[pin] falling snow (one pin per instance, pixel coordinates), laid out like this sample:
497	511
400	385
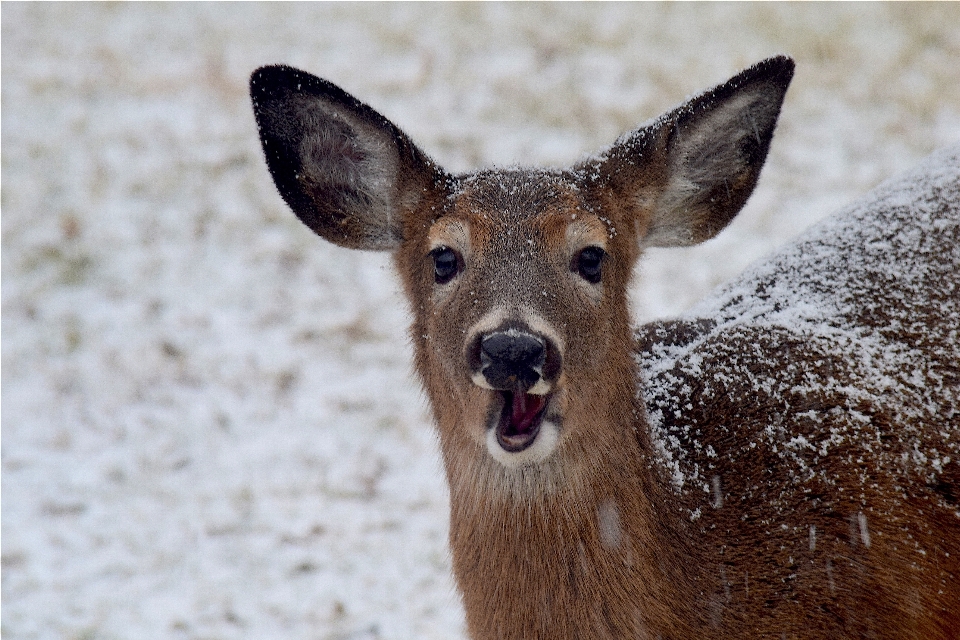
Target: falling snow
210	428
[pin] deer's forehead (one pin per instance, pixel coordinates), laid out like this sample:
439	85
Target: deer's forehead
521	210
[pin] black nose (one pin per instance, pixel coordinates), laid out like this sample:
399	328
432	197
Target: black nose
512	359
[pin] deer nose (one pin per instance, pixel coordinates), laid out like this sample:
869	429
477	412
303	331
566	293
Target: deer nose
512	359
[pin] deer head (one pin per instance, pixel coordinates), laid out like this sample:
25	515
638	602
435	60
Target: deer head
518	278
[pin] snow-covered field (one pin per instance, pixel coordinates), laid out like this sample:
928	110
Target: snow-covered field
209	424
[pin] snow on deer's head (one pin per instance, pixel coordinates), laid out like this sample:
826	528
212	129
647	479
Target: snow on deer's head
518	278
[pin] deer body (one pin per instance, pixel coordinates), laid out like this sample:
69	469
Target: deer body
774	464
813	406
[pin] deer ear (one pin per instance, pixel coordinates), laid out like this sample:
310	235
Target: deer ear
689	173
345	170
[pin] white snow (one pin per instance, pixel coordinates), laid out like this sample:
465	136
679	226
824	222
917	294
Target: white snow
209	425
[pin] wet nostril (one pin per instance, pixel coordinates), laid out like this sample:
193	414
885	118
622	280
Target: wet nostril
513	348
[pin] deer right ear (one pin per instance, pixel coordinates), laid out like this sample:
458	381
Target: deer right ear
345	170
685	176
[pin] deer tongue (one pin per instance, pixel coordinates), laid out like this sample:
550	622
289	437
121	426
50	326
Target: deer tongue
524	411
520	421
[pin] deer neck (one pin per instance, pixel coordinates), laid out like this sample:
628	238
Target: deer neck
563	549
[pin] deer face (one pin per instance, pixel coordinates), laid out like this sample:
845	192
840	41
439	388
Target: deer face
517	279
509	277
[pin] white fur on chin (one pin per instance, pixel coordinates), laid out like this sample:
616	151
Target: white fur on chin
543	446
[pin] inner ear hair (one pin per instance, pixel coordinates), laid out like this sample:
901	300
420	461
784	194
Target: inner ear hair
349	166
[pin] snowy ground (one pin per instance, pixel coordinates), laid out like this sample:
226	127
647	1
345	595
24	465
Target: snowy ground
209	425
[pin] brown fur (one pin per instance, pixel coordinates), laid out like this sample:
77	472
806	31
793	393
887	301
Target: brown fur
591	537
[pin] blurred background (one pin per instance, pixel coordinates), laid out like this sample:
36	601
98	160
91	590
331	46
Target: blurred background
209	424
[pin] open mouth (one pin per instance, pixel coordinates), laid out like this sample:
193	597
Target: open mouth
520	419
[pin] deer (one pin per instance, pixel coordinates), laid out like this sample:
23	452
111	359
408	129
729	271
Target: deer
781	461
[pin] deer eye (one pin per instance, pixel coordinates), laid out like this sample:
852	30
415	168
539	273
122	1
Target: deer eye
446	264
589	264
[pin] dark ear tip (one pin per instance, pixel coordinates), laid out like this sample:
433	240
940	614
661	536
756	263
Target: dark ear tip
278	82
777	68
779	61
277	79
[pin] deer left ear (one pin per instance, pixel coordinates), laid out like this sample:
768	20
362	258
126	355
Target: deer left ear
684	177
345	170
